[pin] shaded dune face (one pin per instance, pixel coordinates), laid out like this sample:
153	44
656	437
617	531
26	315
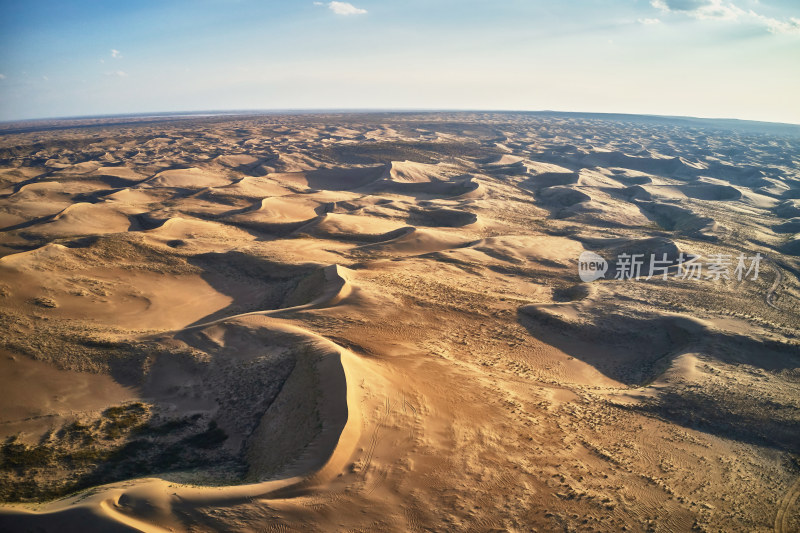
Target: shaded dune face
375	322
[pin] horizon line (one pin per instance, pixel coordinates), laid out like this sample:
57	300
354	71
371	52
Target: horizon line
199	113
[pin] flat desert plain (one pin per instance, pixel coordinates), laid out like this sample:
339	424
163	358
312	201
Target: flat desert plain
375	322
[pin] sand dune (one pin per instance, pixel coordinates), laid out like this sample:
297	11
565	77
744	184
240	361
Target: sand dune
792	247
664	166
414	241
94	284
238	161
562	196
348	227
552	179
85	219
193	178
118	176
788	209
133	196
674	218
411	172
185	230
711	191
278	211
252	187
472	190
442	217
335	179
790	226
374	322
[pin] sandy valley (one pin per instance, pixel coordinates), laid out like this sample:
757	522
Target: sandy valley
374	322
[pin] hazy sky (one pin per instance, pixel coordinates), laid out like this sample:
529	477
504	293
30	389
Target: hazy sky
710	58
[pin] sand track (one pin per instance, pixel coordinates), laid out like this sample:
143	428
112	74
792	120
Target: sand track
788	505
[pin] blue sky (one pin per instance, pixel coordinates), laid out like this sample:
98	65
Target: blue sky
712	58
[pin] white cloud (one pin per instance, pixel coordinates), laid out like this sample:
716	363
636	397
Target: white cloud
115	54
700	9
648	22
117	73
727	11
679	5
345	8
777	26
2	76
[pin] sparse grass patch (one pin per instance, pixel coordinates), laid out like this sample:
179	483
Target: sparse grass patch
123	442
121	419
45	301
